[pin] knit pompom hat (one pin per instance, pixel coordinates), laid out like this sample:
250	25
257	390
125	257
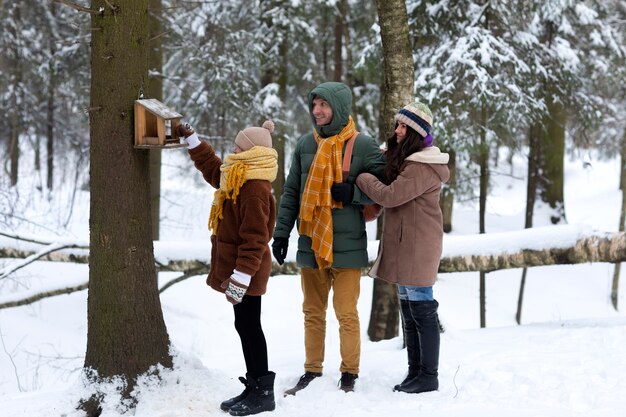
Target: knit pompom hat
255	136
418	116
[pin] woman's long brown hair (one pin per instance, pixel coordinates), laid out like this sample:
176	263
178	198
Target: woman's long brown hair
396	154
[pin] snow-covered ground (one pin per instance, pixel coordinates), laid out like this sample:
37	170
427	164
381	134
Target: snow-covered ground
566	359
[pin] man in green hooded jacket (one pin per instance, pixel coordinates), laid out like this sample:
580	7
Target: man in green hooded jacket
332	247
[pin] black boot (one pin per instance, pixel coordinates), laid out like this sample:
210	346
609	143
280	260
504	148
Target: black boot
412	341
259	399
226	405
424	314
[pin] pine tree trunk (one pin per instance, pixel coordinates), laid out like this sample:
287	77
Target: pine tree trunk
155	90
276	71
397	59
398	91
534	141
340	20
446	199
384	319
622	221
14	120
482	198
126	333
552	160
50	108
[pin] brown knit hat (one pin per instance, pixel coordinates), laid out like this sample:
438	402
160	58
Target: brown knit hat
255	136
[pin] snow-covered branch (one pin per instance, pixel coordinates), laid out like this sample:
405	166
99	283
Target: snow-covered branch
42	295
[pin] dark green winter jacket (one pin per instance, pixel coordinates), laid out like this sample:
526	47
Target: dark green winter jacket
349	238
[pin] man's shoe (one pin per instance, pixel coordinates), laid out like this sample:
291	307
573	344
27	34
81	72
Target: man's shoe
303	382
346	383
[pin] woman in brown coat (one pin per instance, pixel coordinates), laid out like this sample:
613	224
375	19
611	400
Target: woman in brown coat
411	244
242	220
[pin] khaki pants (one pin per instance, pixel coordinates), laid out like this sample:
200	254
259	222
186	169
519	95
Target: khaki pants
316	285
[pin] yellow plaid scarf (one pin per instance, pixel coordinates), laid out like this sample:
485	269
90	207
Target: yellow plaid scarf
316	219
257	163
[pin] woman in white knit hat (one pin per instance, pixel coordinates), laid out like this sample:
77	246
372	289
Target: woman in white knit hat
411	243
242	221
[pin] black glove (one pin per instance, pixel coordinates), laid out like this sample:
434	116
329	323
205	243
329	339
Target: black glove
343	192
279	249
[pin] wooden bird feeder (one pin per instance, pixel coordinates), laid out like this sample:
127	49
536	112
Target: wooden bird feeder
155	125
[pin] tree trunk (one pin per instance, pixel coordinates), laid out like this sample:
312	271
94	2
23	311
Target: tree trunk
552	159
279	137
126	333
340	21
14	120
482	198
50	108
397	59
622	220
398	91
384	320
534	141
275	70
446	199
155	90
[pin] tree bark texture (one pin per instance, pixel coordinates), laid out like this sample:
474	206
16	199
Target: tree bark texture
275	70
622	221
384	322
552	161
155	90
397	91
126	332
51	107
482	198
340	22
15	127
446	199
534	140
397	60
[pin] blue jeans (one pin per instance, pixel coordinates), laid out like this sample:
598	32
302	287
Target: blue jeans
411	293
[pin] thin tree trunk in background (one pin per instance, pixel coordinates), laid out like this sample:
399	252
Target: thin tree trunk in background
37	152
446	199
622	220
126	333
398	91
534	151
14	121
50	107
552	160
484	186
155	90
279	137
550	184
275	70
340	21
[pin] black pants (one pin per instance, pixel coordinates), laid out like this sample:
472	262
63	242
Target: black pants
248	325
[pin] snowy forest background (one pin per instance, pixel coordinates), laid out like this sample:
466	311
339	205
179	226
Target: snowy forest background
518	89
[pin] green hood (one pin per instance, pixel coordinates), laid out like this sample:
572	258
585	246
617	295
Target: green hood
339	97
